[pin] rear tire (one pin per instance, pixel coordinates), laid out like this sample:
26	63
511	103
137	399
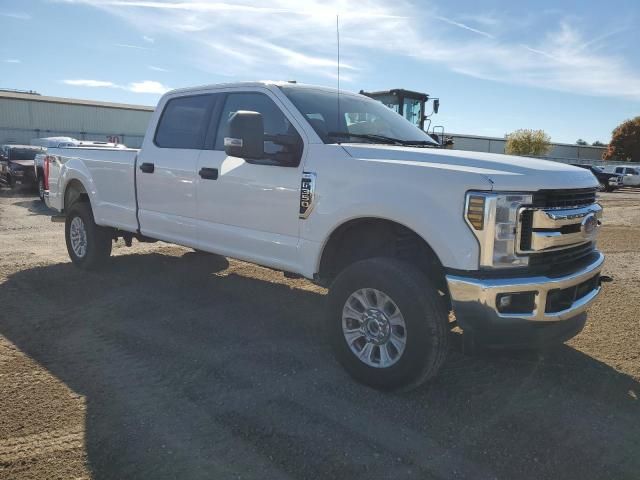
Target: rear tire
41	188
388	324
88	244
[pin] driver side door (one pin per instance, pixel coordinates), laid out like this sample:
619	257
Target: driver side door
249	209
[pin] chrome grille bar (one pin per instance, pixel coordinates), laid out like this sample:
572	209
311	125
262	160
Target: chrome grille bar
556	229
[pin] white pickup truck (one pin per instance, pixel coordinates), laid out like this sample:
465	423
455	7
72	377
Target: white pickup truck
341	190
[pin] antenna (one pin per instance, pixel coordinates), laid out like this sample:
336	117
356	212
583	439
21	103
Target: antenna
338	42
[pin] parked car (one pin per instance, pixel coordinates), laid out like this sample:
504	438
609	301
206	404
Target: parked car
59	142
631	175
608	181
16	165
401	232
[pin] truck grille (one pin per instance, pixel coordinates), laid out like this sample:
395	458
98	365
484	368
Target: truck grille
551	229
564	198
562	257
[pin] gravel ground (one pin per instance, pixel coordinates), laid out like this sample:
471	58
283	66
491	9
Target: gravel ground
172	364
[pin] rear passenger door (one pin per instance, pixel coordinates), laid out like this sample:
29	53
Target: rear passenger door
166	169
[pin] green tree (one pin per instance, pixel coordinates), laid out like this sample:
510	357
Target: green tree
581	142
598	143
625	142
528	142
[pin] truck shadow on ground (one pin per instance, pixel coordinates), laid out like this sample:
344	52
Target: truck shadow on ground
193	370
35	207
31	202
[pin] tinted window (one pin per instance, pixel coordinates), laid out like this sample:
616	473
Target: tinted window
184	122
619	170
275	122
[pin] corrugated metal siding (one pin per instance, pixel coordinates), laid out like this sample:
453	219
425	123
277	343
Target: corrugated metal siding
22	120
497	145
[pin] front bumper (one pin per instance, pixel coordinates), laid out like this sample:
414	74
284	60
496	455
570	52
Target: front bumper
555	300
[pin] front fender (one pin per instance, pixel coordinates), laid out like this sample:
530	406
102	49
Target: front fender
429	201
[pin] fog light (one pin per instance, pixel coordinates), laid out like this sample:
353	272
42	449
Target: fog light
504	301
517	302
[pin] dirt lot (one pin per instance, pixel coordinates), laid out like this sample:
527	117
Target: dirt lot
172	364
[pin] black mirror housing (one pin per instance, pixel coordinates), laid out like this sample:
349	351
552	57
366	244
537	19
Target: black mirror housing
436	105
245	138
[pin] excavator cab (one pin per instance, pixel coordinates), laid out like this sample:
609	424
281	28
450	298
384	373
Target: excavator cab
412	106
409	104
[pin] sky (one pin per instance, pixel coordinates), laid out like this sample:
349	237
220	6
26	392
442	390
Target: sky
571	68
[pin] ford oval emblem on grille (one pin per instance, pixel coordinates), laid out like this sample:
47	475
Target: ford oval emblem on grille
589	225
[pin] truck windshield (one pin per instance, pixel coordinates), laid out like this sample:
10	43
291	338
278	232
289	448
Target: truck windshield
23	153
357	119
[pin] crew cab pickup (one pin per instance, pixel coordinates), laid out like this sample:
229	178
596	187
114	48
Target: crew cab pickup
337	188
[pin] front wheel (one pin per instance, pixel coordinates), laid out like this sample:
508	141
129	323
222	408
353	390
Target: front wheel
388	324
88	244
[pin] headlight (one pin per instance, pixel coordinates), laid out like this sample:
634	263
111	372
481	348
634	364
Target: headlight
493	218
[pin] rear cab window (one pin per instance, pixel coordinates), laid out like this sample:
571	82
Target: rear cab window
184	121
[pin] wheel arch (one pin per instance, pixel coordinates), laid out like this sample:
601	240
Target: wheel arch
368	237
74	190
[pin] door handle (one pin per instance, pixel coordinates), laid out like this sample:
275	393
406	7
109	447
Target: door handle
209	173
147	167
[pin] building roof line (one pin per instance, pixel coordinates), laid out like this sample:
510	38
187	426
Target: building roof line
73	101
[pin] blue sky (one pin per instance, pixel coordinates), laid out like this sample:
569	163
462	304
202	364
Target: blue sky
571	68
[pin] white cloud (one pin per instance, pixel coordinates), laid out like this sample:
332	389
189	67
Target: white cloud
289	39
127	45
157	69
148	86
90	83
16	15
464	27
145	86
13	60
148	39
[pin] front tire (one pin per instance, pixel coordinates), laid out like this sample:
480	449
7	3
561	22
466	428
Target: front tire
88	244
388	324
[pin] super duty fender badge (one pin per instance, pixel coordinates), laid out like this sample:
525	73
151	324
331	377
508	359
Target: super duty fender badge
307	193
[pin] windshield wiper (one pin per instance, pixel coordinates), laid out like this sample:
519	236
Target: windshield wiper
382	139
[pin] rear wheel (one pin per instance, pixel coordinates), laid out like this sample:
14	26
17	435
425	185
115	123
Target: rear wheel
88	244
388	324
41	188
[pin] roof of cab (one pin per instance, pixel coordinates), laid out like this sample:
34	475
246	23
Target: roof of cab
262	83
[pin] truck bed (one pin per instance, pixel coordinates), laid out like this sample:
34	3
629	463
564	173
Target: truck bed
111	192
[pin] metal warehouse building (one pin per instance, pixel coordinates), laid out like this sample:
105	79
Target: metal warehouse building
562	152
24	116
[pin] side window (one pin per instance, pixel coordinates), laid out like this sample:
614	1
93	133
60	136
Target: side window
275	122
184	122
619	170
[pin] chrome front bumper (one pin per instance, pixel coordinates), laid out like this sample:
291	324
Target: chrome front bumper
475	299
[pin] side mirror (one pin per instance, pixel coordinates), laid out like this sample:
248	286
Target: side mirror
436	105
245	137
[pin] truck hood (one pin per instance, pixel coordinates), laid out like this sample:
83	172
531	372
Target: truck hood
505	172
